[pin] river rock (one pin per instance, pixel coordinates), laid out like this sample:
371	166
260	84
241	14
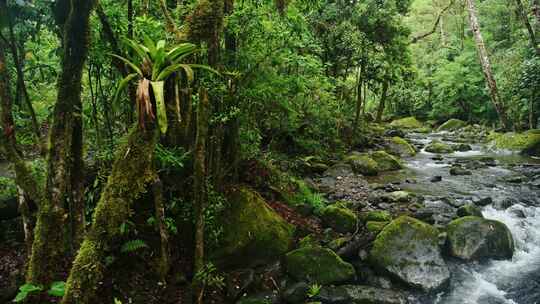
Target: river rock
394	133
439	147
484	201
475	238
451	125
253	233
400	147
406	123
505	203
362	164
436	179
458	170
527	142
296	293
376	216
318	265
357	294
469	210
385	161
462	147
408	250
340	219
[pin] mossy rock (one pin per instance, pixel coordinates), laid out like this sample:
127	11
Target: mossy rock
340	219
469	210
362	164
401	147
376	216
476	238
526	142
335	244
253	233
318	265
375	227
406	123
439	147
452	125
385	161
358	294
408	250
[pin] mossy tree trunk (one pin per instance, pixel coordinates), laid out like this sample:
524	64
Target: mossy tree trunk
382	102
131	175
200	195
65	164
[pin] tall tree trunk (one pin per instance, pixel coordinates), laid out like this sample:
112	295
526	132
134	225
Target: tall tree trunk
64	168
382	103
359	83
486	65
199	188
131	174
164	262
528	26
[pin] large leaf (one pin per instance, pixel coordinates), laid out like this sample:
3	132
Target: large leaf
130	64
181	50
57	289
123	84
159	94
174	68
141	50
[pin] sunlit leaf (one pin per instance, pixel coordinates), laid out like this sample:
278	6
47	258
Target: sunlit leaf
159	94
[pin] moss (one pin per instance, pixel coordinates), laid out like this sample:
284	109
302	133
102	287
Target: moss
439	147
406	123
335	244
377	216
469	210
452	125
308	241
340	219
318	265
527	142
8	188
253	233
375	227
131	173
362	164
385	161
402	147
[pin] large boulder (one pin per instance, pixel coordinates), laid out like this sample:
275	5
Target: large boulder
318	265
439	147
406	123
401	147
526	142
452	125
408	250
253	233
385	161
362	164
356	294
340	219
475	238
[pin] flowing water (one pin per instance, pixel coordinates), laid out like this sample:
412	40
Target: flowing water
515	281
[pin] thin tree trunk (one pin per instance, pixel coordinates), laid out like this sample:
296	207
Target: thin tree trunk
64	172
382	103
486	65
359	82
164	263
199	188
528	26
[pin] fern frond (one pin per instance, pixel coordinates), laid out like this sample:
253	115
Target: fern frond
133	245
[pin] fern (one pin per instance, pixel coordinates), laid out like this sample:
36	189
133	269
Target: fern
133	245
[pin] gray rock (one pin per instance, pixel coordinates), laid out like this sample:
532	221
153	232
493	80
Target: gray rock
469	210
436	179
296	293
458	170
356	294
483	201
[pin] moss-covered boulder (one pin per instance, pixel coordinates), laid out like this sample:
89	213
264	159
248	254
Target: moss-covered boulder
252	232
526	142
362	164
469	210
408	250
452	125
376	216
318	265
401	147
439	147
385	161
406	123
375	227
340	219
358	294
476	238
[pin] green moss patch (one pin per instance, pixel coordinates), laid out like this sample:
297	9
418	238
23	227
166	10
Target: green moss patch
406	123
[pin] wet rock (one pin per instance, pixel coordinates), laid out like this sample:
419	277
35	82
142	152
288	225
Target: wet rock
408	250
451	125
362	164
484	201
394	132
318	265
296	293
469	210
399	197
385	161
462	147
399	146
516	179
438	147
437	157
436	212
505	203
517	210
340	219
476	238
357	294
436	179
458	170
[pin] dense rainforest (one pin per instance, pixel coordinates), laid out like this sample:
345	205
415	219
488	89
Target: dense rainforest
265	152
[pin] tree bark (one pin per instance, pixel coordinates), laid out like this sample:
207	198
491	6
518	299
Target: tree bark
131	173
65	163
164	263
528	26
359	83
486	65
382	103
199	188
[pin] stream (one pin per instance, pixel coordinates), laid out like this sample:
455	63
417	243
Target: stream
507	177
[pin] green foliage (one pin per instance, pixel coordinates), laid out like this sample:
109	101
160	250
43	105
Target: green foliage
314	290
57	289
209	276
8	188
171	159
132	246
25	290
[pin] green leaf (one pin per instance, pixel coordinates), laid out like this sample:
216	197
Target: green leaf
130	64
181	50
123	83
174	68
158	87
30	288
57	289
141	50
